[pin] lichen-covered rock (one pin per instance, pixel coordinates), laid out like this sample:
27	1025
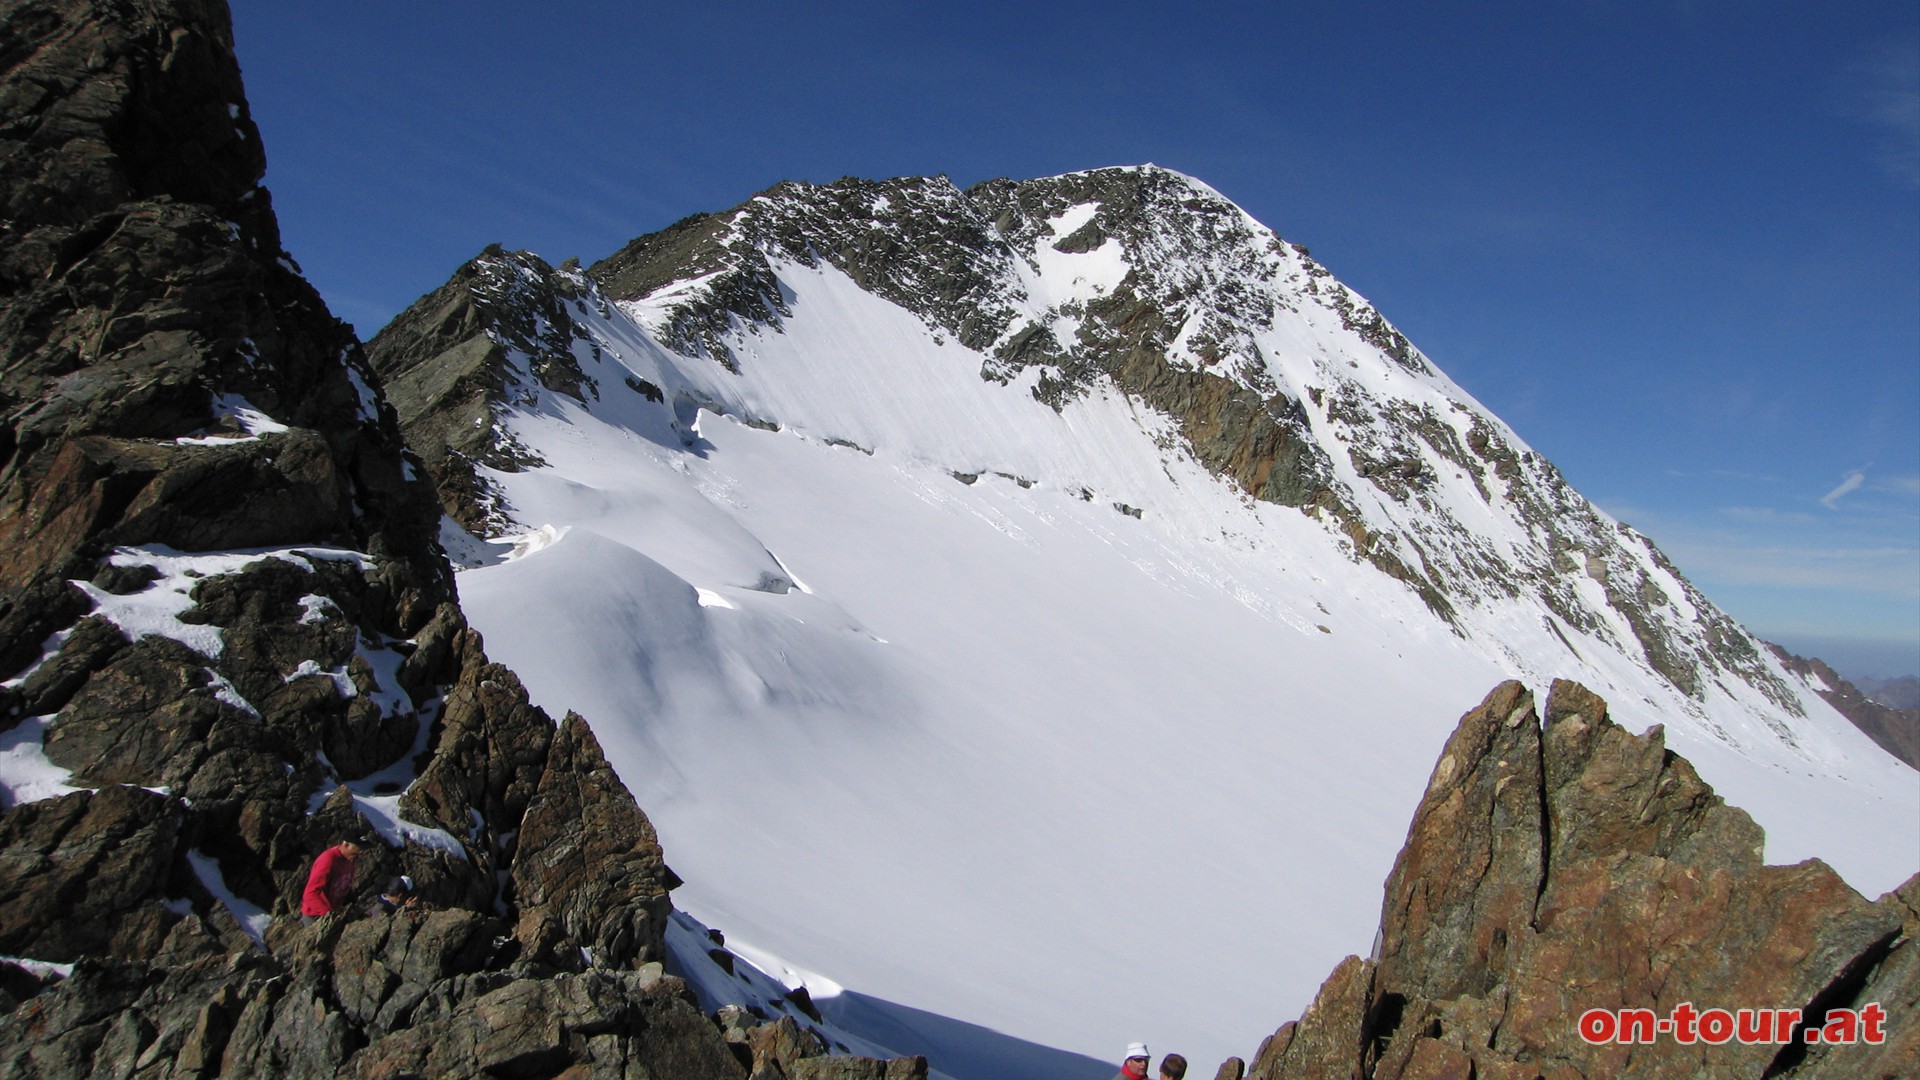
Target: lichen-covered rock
784	1050
1555	869
386	965
588	858
592	1024
1889	980
858	1068
1327	1041
86	874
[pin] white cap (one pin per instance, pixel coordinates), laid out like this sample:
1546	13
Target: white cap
1135	1050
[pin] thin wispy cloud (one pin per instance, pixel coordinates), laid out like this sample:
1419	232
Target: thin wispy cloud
1859	571
1725	474
1901	485
1886	84
1764	515
1831	500
1783	551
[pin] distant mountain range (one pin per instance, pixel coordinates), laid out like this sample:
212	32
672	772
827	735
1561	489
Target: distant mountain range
1894	726
1900	693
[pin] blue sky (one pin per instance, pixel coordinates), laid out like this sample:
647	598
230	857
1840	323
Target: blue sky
1675	244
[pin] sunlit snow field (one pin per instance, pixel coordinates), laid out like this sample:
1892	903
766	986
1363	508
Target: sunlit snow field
998	751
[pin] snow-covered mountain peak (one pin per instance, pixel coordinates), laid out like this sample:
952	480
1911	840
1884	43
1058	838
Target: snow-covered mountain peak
1129	536
1262	367
1011	268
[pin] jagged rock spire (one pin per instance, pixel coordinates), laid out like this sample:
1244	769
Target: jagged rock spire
1561	865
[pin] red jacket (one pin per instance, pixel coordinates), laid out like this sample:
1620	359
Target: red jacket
330	885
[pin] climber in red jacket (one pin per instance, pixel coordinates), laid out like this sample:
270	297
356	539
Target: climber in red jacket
330	884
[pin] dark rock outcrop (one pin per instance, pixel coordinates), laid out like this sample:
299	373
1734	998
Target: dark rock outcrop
1895	730
783	1050
81	872
145	299
220	585
450	367
589	871
1564	865
404	994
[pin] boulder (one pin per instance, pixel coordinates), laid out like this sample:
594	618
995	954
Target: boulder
85	875
1562	867
588	858
591	1024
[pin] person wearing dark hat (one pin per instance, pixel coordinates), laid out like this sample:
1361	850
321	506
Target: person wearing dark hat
1137	1063
330	882
396	896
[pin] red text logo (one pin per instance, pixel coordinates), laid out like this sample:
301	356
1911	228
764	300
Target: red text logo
1687	1025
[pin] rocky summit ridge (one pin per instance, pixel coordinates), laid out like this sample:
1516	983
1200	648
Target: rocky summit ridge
230	638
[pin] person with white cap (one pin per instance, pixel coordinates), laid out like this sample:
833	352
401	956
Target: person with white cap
1137	1062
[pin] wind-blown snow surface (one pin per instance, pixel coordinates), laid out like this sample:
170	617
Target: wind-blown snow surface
997	750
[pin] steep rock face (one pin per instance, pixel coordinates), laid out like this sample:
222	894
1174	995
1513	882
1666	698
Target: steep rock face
1897	730
584	847
153	327
172	386
459	356
233	640
1560	865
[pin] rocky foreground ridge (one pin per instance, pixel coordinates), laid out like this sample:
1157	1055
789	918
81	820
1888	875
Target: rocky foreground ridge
1562	864
225	616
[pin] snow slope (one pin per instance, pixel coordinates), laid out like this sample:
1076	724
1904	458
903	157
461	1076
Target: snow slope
1022	718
